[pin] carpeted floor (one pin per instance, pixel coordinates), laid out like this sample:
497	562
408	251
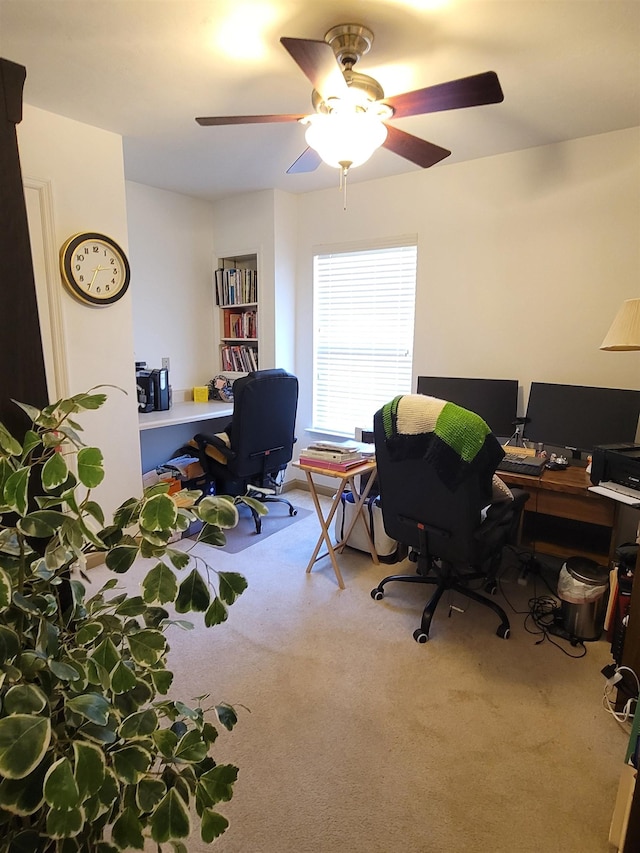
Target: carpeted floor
352	738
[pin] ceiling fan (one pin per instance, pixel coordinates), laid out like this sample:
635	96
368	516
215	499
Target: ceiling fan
351	112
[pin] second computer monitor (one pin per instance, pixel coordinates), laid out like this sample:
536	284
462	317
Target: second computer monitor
495	400
580	417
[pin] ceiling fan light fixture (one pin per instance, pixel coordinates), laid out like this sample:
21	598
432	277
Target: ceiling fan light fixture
345	137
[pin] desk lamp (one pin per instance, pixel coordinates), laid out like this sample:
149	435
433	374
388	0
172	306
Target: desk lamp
624	333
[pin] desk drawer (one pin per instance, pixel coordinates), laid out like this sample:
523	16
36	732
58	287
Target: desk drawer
578	507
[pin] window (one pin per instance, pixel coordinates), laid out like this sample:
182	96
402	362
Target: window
364	305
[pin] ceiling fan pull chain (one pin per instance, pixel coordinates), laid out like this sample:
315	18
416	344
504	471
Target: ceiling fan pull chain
344	171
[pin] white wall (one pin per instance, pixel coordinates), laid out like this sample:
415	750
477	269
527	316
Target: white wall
84	168
171	240
524	259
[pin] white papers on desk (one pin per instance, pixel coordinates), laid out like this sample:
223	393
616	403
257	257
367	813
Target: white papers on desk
617	493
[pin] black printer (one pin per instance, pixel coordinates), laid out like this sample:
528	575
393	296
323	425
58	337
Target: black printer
616	463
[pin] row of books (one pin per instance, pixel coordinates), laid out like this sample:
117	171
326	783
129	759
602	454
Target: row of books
239	358
335	456
236	286
240	324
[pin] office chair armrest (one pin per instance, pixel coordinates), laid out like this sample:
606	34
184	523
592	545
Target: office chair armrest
504	514
214	446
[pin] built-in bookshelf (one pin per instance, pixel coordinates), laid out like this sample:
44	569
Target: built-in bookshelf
236	285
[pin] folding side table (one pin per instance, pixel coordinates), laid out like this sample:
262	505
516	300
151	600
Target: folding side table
347	480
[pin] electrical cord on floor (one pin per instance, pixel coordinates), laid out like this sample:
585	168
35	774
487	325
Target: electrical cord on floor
627	714
542	616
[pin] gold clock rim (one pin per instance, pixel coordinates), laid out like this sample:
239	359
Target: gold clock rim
69	282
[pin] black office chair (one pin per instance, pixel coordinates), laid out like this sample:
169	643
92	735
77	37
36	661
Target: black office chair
249	459
433	501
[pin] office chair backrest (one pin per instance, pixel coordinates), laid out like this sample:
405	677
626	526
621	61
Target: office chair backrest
422	511
264	416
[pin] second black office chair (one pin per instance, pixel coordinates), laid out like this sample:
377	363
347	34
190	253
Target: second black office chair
433	502
250	457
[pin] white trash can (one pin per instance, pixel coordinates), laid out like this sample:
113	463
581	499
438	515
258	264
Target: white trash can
582	585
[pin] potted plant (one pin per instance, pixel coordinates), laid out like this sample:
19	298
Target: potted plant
94	754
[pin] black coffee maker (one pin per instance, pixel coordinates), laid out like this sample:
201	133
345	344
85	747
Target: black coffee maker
145	388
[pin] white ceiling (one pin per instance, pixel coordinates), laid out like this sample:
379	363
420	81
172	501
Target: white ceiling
146	68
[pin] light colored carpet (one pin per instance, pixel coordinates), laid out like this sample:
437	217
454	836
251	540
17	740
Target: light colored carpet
359	740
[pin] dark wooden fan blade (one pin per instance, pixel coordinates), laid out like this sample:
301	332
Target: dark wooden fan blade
308	161
467	92
419	151
318	62
206	121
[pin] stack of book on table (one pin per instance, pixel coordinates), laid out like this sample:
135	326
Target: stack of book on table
334	456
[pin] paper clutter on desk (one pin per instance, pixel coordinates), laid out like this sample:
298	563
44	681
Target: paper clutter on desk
200	394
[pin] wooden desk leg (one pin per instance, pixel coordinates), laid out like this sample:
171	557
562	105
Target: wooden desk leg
324	524
359	514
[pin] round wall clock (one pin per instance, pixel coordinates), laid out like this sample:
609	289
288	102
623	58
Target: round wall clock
94	268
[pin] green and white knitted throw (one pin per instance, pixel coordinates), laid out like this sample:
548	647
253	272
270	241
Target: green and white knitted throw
456	440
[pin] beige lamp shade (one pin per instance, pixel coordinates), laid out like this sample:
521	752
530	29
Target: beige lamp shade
624	333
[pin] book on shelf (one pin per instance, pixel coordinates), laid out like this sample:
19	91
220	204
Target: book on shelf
236	286
330	465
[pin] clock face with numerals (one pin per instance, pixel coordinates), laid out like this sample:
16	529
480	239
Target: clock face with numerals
94	268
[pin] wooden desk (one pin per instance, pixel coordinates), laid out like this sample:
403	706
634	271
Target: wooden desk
563	518
347	481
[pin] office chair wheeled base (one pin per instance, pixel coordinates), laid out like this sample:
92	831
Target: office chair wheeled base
421	634
263	497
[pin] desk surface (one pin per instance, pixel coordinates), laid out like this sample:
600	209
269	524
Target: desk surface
573	480
183	413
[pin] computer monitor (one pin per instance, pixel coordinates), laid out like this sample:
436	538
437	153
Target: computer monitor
495	400
580	417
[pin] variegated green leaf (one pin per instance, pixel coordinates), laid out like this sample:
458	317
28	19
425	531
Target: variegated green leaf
64	823
5	590
25	698
218	510
54	472
255	504
89	767
121	558
131	763
92	706
160	585
41	523
123	678
149	793
231	585
127	831
24	739
218	782
193	594
211	534
60	788
191	747
147	646
170	819
158	513
216	614
8	444
139	724
90	467
15	490
212	825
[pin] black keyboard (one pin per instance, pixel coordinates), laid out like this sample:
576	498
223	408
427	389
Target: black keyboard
521	464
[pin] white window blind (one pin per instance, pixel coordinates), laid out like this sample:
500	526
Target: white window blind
364	306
